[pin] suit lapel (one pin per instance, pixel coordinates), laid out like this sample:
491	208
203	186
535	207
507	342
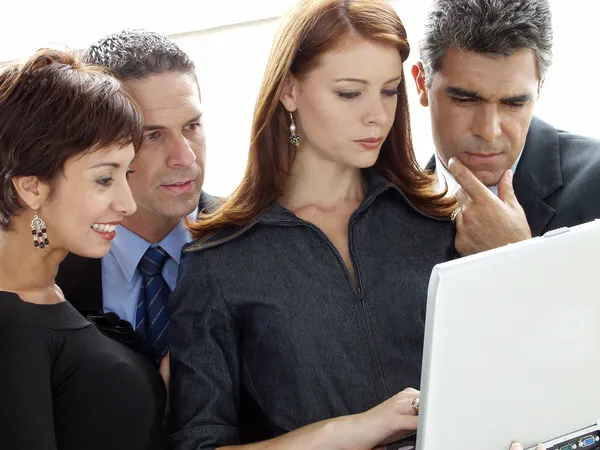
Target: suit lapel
431	164
207	203
538	175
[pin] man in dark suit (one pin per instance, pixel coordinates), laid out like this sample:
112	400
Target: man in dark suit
135	278
483	63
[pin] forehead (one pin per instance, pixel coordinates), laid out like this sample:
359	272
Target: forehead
490	76
165	96
117	154
362	59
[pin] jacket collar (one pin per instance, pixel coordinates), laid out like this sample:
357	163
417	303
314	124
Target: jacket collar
539	174
376	185
275	214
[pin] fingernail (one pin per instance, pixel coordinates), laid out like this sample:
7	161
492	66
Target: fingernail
515	446
540	447
509	175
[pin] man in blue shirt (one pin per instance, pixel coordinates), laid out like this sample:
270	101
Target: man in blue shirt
135	278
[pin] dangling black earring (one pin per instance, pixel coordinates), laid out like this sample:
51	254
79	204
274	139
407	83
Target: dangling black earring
38	230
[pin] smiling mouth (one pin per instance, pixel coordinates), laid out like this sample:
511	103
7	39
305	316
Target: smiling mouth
104	228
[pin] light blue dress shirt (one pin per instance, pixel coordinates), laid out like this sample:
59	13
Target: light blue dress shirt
121	279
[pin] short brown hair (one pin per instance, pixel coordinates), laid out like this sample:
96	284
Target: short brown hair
53	108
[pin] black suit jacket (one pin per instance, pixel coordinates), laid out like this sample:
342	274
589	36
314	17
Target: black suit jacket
81	278
557	181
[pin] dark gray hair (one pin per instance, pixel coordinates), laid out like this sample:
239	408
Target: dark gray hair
496	27
137	54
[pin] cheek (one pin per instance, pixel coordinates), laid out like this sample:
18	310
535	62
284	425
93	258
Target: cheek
68	213
517	129
322	121
146	165
199	148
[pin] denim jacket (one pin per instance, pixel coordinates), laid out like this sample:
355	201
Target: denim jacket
269	310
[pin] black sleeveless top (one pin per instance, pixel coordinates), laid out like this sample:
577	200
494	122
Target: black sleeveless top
64	385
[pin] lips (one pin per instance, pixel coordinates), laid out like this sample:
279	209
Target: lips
178	183
370	143
482	158
182	187
370	140
483	154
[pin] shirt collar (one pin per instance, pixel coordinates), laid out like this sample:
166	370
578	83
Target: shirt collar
128	248
445	178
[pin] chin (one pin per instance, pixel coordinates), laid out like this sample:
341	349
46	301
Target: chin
180	209
366	161
89	250
488	178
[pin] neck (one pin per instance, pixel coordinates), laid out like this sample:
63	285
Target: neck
322	183
149	226
26	268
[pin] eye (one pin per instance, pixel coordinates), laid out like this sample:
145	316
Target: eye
153	136
129	172
105	182
391	92
348	95
462	100
194	126
515	105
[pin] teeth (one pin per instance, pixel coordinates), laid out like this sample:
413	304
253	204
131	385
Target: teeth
103	228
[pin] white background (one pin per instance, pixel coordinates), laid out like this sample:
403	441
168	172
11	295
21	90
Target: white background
230	42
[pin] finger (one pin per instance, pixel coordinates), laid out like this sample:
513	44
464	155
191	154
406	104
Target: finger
469	182
458	219
408	406
462	197
411	391
506	191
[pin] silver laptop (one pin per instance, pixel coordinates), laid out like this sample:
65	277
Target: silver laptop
512	344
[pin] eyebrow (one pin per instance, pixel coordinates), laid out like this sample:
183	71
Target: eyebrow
151	127
460	92
358	80
108	164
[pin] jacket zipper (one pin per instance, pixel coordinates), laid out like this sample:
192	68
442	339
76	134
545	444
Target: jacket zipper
377	368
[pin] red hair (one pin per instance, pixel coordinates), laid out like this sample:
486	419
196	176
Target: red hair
310	29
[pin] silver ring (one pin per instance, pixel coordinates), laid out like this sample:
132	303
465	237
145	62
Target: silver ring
415	405
454	214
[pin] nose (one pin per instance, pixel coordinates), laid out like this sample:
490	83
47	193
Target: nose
487	123
377	113
124	202
180	153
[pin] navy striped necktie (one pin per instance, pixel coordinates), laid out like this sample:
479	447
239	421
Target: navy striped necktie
152	315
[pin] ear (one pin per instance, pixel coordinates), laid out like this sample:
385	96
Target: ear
32	191
418	74
288	94
540	86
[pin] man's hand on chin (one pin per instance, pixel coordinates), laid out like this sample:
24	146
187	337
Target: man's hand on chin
485	221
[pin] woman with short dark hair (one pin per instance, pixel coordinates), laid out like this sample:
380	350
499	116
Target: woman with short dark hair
68	133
